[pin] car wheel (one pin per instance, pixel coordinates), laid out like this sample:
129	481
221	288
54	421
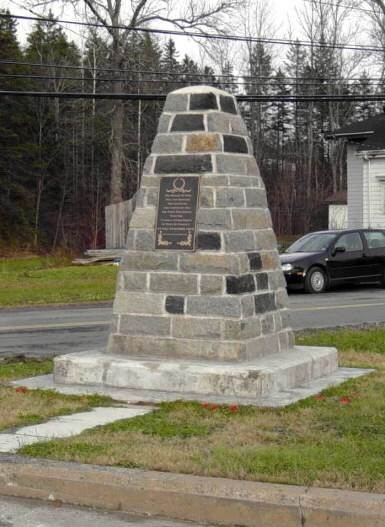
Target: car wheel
316	281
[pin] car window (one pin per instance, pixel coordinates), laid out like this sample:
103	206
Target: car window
311	243
351	241
375	240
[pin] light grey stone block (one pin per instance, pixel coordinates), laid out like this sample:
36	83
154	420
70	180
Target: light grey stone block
150	182
239	241
268	323
152	197
167	144
164	124
244	181
248	219
237	125
148	167
145	325
214	306
145	240
176	103
143	218
133	281
209	263
174	283
206	197
166	348
212	284
213	180
218	122
130	243
150	261
214	219
241	329
230	197
189	327
256	198
138	303
231	164
248	306
265	240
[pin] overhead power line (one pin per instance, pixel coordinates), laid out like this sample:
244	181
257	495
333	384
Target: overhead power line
162	97
273	82
215	36
251	78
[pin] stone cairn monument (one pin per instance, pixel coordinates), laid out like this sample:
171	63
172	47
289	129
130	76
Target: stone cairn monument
201	305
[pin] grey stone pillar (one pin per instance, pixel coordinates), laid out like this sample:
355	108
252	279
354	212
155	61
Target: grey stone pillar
210	323
227	300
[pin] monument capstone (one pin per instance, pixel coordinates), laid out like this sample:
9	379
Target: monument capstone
201	304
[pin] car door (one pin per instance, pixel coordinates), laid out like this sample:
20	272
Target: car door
350	264
375	252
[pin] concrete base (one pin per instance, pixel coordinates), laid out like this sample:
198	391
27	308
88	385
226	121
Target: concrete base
277	380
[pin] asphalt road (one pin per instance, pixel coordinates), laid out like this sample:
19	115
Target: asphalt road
16	512
56	330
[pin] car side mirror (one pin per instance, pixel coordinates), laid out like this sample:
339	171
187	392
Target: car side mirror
338	249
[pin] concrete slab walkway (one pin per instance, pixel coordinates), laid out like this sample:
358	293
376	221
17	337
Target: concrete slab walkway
66	426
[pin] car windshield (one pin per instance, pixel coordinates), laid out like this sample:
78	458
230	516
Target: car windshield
311	243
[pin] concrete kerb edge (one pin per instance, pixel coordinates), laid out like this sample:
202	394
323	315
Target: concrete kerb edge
209	500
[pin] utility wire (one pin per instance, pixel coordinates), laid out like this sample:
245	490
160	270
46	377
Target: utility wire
160	97
273	82
215	36
175	74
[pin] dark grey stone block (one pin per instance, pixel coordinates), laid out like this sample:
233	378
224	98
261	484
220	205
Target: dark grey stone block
175	305
189	122
203	101
228	104
264	302
262	280
183	164
237	285
234	143
255	261
209	241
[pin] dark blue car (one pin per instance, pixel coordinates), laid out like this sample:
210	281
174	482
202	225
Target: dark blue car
322	259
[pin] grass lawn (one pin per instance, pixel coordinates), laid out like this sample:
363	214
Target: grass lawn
19	406
49	280
336	439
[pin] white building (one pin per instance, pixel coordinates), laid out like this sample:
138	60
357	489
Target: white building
365	173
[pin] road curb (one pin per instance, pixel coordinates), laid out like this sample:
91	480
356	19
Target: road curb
217	501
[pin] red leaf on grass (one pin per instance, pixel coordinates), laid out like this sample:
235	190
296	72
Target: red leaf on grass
233	408
345	399
214	407
21	389
205	405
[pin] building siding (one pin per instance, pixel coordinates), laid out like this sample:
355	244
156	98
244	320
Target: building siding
374	192
355	186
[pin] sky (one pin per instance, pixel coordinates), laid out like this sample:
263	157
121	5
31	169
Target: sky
283	21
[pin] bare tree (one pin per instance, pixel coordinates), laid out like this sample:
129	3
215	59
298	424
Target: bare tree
112	15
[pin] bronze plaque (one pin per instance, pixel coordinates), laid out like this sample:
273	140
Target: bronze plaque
177	210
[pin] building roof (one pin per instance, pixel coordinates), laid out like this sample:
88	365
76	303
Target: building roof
338	198
370	133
